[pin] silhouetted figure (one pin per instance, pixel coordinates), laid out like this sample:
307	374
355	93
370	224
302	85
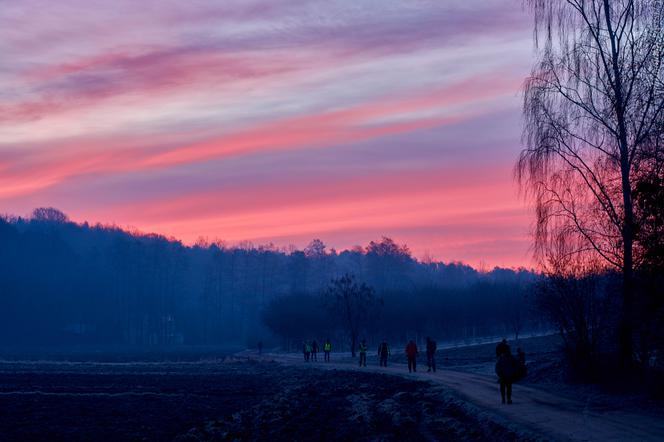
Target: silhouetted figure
363	353
383	353
506	369
431	354
521	359
327	348
260	347
411	354
314	351
306	349
503	348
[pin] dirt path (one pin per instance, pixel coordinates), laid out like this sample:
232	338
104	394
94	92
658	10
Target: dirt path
553	417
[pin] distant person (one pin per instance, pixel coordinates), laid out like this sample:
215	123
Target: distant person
383	353
314	351
506	369
503	348
306	349
411	354
521	359
327	348
431	355
363	353
260	347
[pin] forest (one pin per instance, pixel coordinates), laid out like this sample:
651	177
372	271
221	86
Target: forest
64	283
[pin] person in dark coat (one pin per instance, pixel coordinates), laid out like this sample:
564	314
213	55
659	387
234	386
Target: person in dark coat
314	351
502	348
431	355
411	354
383	353
507	370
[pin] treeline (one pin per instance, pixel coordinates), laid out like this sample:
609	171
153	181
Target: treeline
68	283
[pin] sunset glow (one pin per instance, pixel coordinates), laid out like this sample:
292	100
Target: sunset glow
271	120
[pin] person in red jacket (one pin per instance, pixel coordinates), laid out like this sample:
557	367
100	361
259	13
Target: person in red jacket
411	354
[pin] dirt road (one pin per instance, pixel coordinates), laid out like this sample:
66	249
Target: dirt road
551	416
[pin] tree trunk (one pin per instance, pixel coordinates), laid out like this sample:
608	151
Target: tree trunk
625	332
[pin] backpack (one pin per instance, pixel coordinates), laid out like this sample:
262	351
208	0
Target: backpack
507	368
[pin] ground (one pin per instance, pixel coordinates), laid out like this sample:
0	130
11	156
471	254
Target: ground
226	399
214	395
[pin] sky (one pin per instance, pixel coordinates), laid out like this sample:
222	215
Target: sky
272	121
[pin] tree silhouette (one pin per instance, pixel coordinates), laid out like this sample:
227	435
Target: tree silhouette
593	109
352	302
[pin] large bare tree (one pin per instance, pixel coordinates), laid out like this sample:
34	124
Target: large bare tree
593	108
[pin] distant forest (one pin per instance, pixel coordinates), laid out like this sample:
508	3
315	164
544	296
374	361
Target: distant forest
63	283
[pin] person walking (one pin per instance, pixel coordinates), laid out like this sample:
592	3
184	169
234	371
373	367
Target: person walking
506	369
363	353
431	355
383	353
327	348
306	349
411	354
314	351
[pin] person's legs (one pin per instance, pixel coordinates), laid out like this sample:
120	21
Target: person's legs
414	363
411	363
433	363
502	391
509	392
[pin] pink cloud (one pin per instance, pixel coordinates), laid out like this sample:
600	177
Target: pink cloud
325	129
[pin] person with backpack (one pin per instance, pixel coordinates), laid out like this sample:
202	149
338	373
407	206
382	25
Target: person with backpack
507	368
411	355
327	348
383	353
431	355
363	353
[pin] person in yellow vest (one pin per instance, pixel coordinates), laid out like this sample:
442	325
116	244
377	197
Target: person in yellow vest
327	348
363	353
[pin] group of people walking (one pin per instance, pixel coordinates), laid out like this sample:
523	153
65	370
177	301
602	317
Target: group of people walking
311	350
509	368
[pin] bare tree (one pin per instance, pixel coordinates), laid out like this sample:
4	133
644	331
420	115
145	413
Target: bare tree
353	302
593	108
49	214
